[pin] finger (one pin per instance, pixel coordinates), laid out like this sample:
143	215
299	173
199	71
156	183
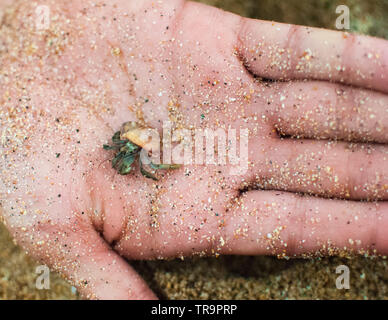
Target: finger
328	169
285	224
283	51
321	110
100	273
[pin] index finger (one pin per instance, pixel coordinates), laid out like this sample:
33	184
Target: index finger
286	52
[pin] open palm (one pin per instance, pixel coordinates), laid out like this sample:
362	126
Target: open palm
314	103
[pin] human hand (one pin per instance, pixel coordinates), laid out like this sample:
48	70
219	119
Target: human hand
317	176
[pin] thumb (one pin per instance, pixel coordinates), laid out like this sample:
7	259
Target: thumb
98	272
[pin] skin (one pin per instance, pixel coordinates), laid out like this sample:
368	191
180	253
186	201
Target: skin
317	181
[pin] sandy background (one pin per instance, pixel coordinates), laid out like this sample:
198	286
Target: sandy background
237	277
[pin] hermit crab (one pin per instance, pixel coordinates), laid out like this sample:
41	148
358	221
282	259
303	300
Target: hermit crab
128	142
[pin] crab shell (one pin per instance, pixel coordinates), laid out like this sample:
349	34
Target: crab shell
137	134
